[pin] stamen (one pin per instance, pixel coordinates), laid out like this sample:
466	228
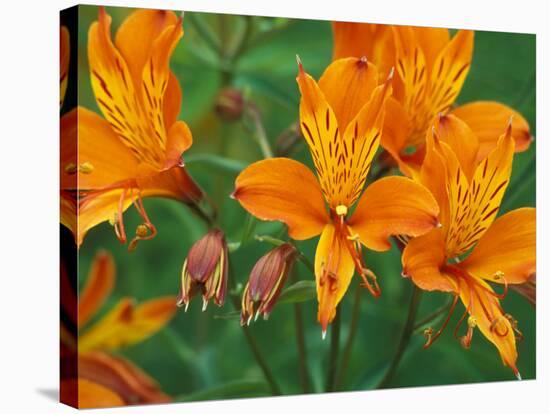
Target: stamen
119	221
514	323
466	340
430	337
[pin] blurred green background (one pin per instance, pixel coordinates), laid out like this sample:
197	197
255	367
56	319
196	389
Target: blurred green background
202	355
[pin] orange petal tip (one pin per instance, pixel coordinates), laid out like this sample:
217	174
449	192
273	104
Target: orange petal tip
300	65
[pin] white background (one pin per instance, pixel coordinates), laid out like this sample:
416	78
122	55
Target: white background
29	86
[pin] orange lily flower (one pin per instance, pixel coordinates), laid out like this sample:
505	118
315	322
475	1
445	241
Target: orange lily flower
431	69
341	118
472	248
105	379
134	150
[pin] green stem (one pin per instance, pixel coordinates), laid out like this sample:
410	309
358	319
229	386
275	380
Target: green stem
408	329
260	360
419	326
259	130
275	390
351	337
302	352
204	31
334	352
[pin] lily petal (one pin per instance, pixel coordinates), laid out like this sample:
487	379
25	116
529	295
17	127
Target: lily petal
179	140
320	129
396	131
127	324
488	119
99	286
285	190
97	146
393	206
423	259
450	70
411	67
432	41
484	306
461	139
136	35
120	99
375	41
347	85
334	269
91	394
487	188
507	250
362	137
99	208
132	384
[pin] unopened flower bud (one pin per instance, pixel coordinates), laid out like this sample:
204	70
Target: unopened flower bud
266	282
205	270
230	104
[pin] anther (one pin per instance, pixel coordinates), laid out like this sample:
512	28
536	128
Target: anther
472	322
142	230
70	168
86	168
498	275
341	210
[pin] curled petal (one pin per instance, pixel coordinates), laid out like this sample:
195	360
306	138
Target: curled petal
285	190
179	140
423	259
507	250
393	206
488	119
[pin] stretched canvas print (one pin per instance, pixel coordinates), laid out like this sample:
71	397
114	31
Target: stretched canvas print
258	206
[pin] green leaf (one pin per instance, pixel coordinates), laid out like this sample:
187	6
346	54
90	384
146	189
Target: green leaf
301	291
232	389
